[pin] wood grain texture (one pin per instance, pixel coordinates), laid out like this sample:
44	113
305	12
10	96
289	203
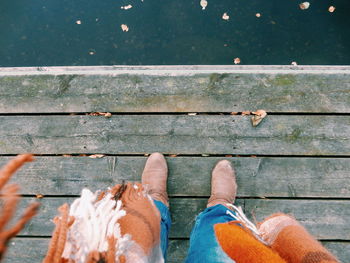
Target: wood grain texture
189	176
202	134
175	89
183	89
33	250
325	219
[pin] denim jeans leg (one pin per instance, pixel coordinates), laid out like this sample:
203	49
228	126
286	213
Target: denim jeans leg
204	247
165	224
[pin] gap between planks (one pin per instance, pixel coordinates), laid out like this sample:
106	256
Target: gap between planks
171	155
173	113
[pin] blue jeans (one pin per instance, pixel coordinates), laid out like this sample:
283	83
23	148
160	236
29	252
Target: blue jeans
165	223
204	247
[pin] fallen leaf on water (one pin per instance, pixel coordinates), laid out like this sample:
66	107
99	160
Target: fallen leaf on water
237	61
95	156
331	9
225	16
125	28
258	15
203	4
126	7
259	115
245	113
304	6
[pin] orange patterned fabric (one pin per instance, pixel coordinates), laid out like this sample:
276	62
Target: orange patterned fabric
243	247
9	199
293	242
142	219
287	241
116	226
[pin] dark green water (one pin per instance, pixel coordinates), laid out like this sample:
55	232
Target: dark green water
45	32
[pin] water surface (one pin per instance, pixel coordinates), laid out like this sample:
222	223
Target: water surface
88	32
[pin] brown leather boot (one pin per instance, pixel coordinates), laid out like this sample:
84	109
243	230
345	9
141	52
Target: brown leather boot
223	184
154	177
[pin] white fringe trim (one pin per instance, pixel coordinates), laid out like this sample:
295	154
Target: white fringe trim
242	218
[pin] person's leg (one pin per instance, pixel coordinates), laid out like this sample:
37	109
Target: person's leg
164	225
154	178
203	243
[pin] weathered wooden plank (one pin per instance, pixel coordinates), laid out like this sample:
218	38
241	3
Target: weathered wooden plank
214	134
326	219
177	250
323	218
189	176
33	250
30	250
26	250
175	89
340	249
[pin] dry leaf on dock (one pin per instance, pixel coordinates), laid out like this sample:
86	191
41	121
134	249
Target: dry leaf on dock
95	156
106	114
259	115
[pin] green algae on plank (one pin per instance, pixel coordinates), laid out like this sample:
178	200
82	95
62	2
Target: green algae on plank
200	92
283	80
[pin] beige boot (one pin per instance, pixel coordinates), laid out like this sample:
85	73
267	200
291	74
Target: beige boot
154	177
223	184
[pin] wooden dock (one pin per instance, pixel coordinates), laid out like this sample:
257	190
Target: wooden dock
296	161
